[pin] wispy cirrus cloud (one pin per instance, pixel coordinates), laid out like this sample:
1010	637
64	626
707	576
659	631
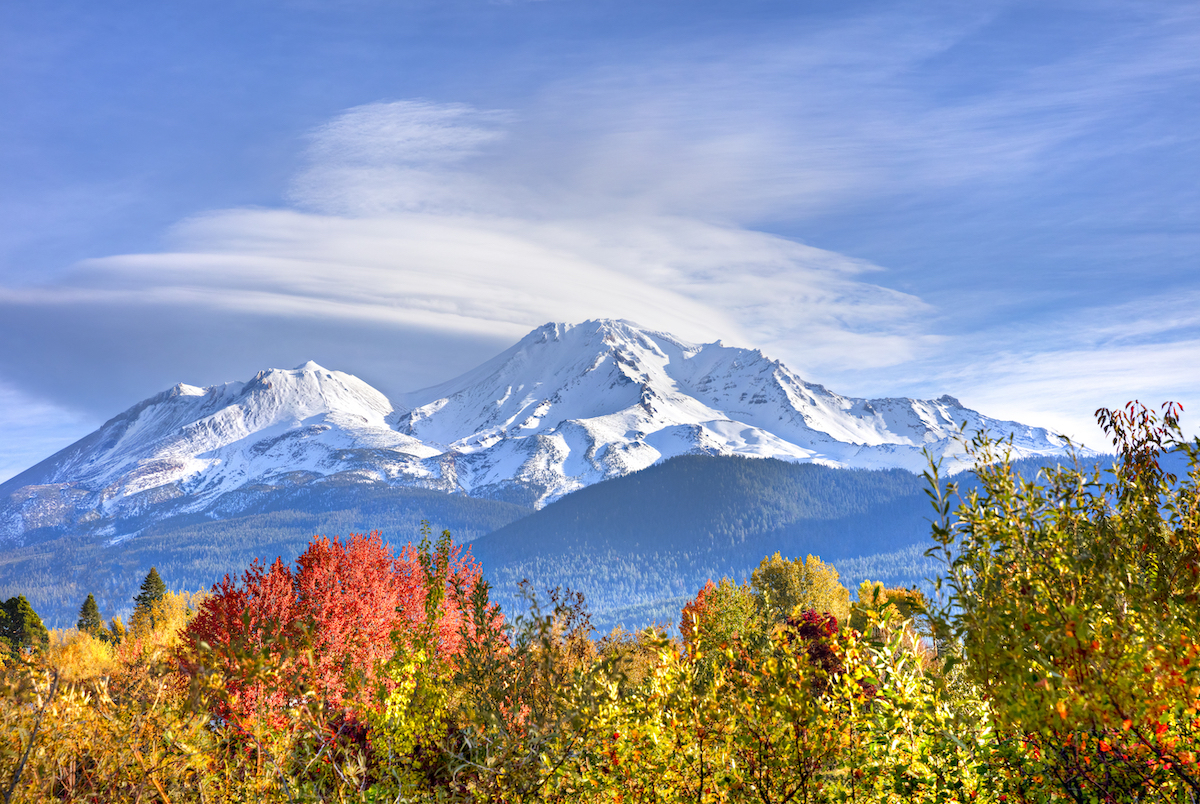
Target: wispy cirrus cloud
816	120
1058	372
395	157
29	423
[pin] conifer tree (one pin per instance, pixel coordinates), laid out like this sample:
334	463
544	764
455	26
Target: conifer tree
151	592
20	625
90	621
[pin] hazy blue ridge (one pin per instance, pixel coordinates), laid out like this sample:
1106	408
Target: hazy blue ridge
637	545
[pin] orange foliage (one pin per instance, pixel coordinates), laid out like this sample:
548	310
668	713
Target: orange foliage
693	613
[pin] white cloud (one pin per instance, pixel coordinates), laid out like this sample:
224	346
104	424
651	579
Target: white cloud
504	276
1056	373
403	228
388	157
819	119
1061	388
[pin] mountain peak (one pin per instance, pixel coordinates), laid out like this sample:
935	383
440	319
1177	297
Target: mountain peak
570	404
566	406
310	367
606	329
183	389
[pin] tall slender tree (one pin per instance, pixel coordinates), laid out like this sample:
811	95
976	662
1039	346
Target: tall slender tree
90	621
151	591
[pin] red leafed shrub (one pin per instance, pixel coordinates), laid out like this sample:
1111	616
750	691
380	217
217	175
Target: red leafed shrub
281	635
815	629
693	613
815	634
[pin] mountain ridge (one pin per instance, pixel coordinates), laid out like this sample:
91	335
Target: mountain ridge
565	407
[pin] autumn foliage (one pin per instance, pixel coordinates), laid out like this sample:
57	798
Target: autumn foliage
324	628
1061	664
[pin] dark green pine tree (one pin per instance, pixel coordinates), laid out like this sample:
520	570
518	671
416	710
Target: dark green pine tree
90	621
21	627
151	592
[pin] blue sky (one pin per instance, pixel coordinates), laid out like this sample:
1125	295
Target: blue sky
996	200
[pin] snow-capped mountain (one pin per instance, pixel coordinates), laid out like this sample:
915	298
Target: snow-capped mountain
567	406
193	449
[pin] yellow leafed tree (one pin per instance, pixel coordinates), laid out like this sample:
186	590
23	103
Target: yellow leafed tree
783	585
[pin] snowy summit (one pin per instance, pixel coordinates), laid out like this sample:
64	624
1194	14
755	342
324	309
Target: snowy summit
567	406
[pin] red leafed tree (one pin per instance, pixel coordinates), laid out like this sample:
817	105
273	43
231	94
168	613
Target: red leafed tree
324	628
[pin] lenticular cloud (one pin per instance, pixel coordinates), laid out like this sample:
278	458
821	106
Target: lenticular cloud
410	219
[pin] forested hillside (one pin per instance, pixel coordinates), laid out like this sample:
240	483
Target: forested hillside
635	546
638	545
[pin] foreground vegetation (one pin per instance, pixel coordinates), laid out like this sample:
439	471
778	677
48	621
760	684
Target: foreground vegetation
1062	666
